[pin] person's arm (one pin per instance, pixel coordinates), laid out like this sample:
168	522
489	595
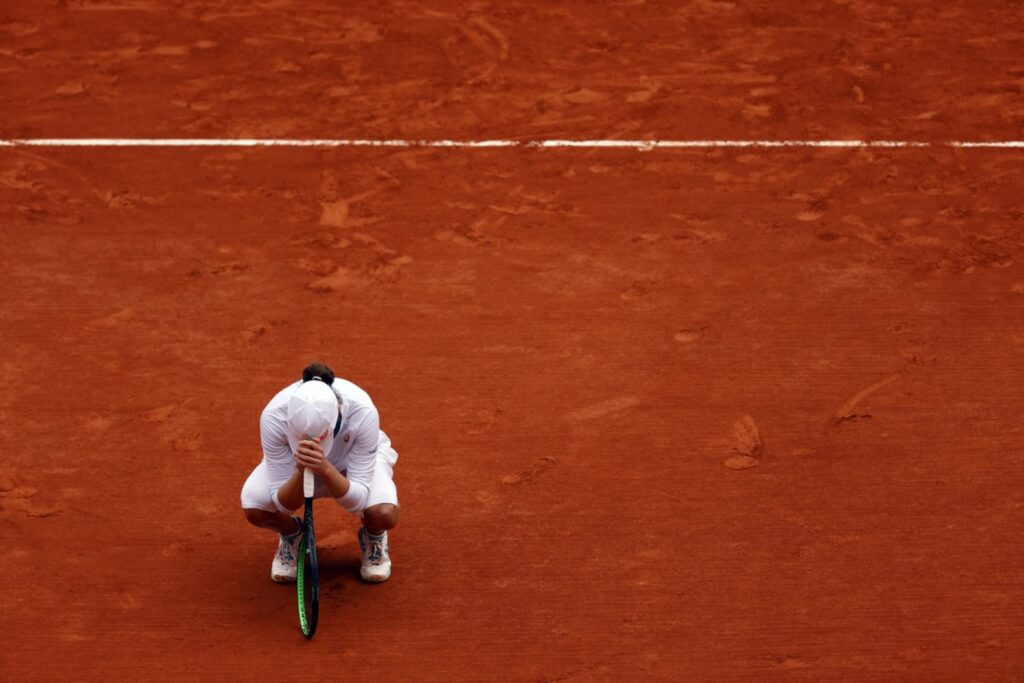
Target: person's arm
277	455
288	498
362	460
353	491
311	455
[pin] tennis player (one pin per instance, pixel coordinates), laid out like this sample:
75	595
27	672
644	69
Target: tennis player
332	427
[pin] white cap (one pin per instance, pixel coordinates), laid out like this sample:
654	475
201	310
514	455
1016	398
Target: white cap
312	413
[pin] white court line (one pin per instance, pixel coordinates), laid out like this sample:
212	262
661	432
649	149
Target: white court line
642	145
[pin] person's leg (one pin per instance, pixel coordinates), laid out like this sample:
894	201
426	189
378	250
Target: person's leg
380	518
281	522
381	514
260	511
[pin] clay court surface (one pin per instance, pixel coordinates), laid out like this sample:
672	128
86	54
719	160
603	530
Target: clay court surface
709	414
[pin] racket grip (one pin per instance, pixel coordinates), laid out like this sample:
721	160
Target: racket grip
307	483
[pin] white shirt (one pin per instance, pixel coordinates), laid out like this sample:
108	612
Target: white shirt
354	451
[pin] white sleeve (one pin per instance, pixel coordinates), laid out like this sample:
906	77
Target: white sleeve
362	460
277	454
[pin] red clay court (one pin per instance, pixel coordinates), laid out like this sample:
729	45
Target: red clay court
714	413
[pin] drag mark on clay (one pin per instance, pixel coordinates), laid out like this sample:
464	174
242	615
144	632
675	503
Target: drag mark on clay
481	421
612	405
847	412
16	498
334	213
255	332
690	334
335	209
537	467
493	57
366	262
748	445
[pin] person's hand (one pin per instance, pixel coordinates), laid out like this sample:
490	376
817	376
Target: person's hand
311	455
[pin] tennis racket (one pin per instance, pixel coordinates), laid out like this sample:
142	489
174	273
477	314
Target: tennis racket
307	579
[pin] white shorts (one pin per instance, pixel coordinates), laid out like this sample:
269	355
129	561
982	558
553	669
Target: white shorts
256	491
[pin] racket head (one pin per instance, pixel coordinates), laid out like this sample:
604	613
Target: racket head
307	578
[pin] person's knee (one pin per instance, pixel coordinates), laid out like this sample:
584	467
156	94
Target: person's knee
381	517
257	517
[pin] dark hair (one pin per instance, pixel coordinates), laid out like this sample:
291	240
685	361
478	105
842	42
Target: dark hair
319	371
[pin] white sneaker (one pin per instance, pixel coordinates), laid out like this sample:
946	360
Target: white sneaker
285	566
376	565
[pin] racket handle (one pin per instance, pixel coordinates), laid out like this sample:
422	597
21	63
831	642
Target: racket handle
307	483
